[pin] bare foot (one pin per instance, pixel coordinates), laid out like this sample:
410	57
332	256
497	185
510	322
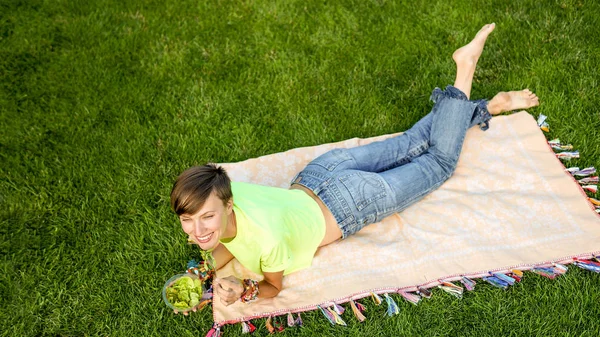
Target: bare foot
468	55
512	100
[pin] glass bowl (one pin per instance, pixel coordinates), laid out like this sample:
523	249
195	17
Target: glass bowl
171	281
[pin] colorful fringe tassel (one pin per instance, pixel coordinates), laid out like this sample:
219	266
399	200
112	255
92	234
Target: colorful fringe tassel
556	145
392	306
338	309
516	274
588	180
327	315
541	122
248	327
588	171
269	326
273	325
424	292
560	269
468	283
214	332
567	155
544	271
451	289
588	265
298	321
412	298
496	282
505	278
338	319
357	310
572	170
290	319
332	316
376	298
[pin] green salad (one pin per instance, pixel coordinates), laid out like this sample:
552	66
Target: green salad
184	293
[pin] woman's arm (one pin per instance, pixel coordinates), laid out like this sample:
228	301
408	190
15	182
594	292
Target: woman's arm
222	255
271	285
230	289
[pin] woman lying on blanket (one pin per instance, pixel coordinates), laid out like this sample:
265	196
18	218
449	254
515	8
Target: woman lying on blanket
274	231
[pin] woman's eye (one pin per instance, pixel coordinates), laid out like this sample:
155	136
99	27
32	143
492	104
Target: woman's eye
208	217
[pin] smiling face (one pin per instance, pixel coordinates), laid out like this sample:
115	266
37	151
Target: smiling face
212	222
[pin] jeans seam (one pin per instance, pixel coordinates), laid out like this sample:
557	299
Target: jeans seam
338	154
409	201
347	212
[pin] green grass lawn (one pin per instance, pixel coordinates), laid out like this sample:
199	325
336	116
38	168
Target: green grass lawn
103	103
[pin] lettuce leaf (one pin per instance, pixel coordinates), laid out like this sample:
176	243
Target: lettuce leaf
184	293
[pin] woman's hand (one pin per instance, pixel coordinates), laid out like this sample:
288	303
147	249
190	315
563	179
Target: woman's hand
229	289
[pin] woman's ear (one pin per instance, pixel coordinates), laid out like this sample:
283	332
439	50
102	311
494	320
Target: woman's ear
229	205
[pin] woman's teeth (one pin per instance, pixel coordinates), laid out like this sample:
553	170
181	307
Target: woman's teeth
204	239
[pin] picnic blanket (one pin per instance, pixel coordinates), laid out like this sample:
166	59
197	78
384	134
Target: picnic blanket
509	205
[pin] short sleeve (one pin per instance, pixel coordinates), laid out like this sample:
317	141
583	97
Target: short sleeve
276	258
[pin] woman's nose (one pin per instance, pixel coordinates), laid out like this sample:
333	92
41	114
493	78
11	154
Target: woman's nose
198	227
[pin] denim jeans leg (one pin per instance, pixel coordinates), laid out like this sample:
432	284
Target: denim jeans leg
393	152
452	116
358	189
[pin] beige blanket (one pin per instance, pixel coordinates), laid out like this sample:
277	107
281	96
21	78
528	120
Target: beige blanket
510	204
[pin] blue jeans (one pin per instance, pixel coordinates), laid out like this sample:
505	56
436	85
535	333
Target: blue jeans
365	184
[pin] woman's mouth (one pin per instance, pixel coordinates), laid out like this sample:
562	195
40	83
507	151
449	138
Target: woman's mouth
204	239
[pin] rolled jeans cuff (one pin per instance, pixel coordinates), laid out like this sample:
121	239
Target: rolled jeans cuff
481	112
450	92
484	114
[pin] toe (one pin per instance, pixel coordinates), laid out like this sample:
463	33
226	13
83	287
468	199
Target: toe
486	29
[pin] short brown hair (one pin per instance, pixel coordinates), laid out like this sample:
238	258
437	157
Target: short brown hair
194	186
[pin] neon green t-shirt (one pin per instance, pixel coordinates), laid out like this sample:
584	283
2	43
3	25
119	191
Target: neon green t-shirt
277	229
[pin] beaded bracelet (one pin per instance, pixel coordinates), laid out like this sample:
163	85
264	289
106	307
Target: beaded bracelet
203	270
250	291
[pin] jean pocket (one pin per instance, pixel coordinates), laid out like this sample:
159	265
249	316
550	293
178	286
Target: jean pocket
331	159
364	188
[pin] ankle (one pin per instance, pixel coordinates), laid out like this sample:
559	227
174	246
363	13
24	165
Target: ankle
494	108
498	103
